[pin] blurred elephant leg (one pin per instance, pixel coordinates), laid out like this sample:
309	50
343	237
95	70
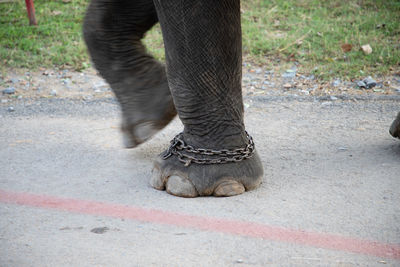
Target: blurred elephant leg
113	31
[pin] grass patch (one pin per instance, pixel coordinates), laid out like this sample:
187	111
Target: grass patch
312	32
275	33
56	41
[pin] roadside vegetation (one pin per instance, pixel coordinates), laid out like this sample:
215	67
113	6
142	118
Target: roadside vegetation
324	38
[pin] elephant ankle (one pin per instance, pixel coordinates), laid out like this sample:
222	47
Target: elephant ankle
218	141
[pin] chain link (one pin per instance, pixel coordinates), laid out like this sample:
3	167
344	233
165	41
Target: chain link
178	147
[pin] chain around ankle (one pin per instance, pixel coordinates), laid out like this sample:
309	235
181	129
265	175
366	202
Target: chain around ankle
187	154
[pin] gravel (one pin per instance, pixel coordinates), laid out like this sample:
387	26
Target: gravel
367	83
257	81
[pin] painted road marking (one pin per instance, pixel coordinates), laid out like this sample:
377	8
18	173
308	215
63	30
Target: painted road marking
241	228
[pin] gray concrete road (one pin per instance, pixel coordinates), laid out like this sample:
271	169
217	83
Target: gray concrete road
331	169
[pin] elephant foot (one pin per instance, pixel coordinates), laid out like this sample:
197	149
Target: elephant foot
395	128
220	180
137	131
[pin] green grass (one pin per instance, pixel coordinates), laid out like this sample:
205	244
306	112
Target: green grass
56	41
312	32
275	33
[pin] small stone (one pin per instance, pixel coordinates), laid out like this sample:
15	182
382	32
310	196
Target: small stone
324	104
369	82
305	92
336	83
290	73
342	149
53	92
100	84
397	90
4	101
9	91
333	98
239	261
14	80
10	109
66	81
361	84
367	49
258	71
287	85
19	97
97	91
88	98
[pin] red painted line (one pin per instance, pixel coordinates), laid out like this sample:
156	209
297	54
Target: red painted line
241	228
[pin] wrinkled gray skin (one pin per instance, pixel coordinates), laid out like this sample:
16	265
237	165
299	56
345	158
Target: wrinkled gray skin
395	127
201	81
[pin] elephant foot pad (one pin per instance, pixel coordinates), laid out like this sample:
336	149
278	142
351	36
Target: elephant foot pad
220	180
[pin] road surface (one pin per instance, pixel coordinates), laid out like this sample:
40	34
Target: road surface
71	195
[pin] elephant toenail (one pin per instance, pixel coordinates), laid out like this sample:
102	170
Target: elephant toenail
156	180
229	188
181	187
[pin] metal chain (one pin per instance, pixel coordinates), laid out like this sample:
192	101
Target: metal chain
178	147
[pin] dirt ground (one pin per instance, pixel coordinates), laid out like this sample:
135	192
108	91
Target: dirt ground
256	81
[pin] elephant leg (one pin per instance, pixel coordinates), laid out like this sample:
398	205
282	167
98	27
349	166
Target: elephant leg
203	53
395	127
113	30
